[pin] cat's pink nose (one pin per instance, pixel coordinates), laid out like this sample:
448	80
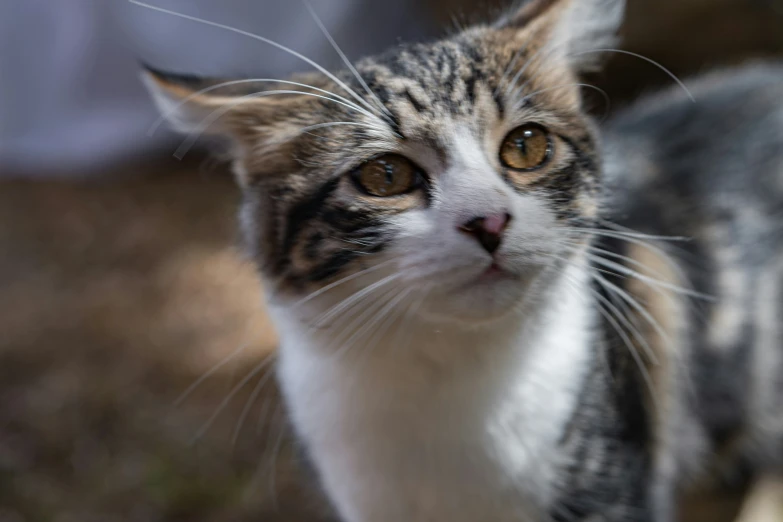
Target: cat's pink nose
488	230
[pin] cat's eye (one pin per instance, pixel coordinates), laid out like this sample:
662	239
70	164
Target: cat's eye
387	175
525	148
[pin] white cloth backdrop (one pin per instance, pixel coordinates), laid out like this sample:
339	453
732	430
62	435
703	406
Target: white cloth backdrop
70	97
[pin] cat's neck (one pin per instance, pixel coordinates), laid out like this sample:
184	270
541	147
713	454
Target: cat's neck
422	354
492	400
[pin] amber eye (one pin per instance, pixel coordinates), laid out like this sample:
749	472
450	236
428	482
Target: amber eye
526	148
387	175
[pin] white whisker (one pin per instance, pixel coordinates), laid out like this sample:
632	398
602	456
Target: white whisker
637	358
212	371
376	319
345	59
669	240
626	232
352	300
283	48
636	240
409	316
341	282
270	451
649	352
154	127
336	123
250	401
361	317
598	251
222	406
273	465
636	306
650	281
217	113
641	57
607	100
263	414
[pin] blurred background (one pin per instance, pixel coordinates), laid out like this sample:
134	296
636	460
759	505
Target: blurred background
121	283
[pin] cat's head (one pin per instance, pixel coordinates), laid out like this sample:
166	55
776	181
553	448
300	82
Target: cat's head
450	174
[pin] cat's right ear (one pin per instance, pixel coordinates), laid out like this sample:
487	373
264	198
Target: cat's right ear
574	30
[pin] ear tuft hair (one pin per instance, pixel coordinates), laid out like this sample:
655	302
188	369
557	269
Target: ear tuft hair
590	25
178	99
524	13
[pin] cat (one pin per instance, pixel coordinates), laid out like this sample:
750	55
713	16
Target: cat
490	306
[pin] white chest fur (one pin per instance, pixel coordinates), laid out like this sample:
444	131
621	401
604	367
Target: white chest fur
457	426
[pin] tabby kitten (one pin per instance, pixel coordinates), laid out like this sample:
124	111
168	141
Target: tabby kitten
470	331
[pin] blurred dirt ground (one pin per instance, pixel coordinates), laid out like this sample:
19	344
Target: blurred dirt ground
116	297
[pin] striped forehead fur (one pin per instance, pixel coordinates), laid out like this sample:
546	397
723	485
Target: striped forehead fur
298	150
485	80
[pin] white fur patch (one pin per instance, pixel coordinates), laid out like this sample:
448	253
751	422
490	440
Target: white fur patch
458	425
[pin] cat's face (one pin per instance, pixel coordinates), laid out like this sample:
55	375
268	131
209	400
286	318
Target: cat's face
453	176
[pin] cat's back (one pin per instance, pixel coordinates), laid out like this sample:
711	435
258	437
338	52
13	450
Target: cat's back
720	141
705	164
710	169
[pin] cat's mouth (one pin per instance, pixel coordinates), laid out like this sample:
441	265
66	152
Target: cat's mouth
496	272
488	292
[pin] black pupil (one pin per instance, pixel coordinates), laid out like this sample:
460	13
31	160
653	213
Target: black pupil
389	169
521	142
386	176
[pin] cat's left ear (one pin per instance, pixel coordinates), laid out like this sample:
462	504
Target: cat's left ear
248	111
576	30
259	117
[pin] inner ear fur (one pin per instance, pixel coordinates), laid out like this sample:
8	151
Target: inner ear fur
237	108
